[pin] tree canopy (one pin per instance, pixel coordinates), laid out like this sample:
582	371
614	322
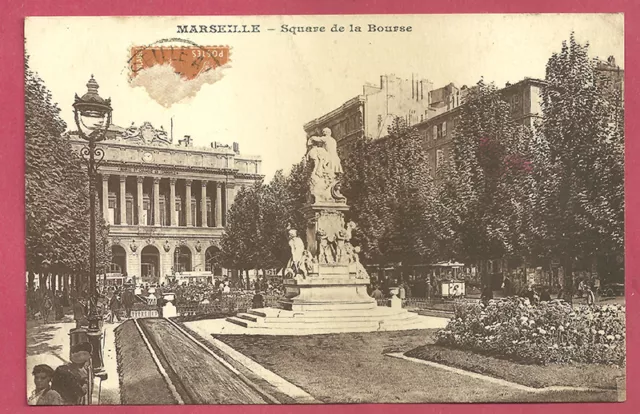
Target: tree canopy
56	187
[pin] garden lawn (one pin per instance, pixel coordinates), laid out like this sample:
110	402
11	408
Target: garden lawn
352	368
537	376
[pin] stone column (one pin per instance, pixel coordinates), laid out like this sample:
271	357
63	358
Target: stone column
218	204
140	201
105	197
231	193
123	199
203	204
187	202
172	202
156	201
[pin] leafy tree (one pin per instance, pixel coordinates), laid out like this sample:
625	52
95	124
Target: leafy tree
296	192
56	192
387	183
490	166
240	243
277	217
582	125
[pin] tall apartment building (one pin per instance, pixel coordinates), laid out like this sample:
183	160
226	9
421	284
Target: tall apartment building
371	113
523	97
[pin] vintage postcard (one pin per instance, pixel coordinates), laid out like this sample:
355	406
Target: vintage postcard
325	209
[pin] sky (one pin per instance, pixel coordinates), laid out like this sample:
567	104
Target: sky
277	81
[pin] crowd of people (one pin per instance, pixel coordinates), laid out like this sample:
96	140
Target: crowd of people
381	288
537	293
46	304
204	293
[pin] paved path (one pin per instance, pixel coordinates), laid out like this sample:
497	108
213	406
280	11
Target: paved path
198	376
49	344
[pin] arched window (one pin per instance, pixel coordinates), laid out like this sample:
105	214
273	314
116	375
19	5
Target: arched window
212	261
182	259
118	260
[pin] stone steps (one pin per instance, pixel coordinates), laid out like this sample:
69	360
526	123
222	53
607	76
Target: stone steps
330	328
287	321
248	317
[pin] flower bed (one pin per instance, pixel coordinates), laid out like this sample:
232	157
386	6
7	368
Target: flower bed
552	332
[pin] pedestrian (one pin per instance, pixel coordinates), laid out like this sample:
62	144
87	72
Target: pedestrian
402	292
591	298
80	313
31	302
43	394
581	288
46	306
57	303
258	300
377	294
530	294
128	301
487	294
545	296
114	307
507	286
407	290
71	380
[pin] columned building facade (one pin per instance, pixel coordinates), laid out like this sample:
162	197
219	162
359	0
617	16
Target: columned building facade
166	205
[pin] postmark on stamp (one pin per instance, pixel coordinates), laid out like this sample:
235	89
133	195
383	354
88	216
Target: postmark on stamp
173	70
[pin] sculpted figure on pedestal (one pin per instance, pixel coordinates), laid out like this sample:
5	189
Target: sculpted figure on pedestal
341	251
326	168
297	249
361	272
325	253
307	263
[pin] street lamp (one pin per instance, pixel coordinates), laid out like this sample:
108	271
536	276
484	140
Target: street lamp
92	115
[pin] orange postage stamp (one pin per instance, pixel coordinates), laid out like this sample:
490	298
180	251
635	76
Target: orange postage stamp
181	66
187	61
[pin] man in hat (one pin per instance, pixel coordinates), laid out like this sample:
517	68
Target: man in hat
80	313
128	299
43	394
71	380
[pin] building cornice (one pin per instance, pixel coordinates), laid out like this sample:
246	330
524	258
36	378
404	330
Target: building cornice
355	101
220	152
158	169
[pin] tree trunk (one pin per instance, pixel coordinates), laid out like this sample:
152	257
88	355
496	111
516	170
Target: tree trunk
568	279
30	280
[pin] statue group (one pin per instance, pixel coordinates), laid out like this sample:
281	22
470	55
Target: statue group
336	250
332	242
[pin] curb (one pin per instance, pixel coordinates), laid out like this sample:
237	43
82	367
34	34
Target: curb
292	391
494	380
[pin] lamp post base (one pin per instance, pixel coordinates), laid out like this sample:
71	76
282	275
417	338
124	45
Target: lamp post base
94	335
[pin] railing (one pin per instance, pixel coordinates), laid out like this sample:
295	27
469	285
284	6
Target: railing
227	306
145	313
418	304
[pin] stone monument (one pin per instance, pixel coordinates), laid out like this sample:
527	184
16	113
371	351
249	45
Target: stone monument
325	283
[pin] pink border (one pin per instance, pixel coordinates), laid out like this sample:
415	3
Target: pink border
12	343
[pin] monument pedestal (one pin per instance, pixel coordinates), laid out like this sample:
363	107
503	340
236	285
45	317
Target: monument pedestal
330	300
327	288
332	287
